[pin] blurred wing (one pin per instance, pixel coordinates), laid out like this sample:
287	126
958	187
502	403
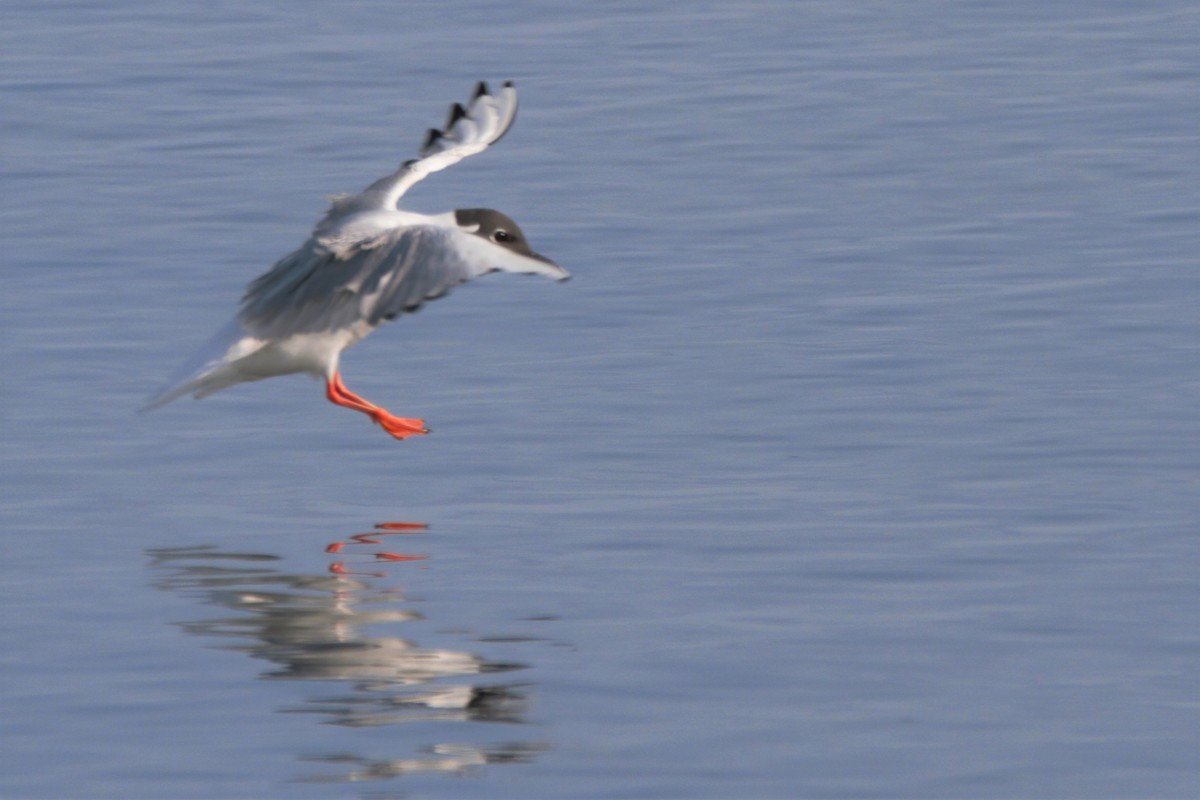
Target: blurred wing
315	289
467	131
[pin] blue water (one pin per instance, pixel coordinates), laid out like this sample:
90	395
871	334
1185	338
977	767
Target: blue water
858	459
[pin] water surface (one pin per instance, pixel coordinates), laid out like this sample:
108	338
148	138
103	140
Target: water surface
858	459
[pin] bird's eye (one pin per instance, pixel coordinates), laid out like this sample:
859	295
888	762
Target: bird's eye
503	236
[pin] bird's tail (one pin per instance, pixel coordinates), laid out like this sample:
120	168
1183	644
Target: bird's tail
206	371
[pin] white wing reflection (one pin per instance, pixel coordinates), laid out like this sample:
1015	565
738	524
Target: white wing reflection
451	758
340	629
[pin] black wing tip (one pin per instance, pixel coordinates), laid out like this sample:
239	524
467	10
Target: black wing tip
457	112
482	89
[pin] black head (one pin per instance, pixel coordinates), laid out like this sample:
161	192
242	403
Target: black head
497	228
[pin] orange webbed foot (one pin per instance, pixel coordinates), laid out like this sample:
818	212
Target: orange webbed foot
399	427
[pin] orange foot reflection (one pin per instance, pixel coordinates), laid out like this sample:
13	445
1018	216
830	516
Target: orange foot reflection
373	538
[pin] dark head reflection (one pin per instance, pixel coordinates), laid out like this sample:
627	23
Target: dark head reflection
343	628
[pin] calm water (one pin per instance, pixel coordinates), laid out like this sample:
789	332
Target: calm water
859	459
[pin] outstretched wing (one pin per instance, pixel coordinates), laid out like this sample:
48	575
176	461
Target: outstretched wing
468	130
319	289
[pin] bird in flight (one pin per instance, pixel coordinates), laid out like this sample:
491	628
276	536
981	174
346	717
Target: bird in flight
366	263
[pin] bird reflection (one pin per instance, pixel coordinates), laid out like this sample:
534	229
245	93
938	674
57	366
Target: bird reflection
314	628
453	758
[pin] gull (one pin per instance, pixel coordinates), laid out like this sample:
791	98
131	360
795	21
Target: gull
366	263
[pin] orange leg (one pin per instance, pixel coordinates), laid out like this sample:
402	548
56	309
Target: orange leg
398	427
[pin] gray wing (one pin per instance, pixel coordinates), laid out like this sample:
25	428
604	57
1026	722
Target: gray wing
468	130
317	289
